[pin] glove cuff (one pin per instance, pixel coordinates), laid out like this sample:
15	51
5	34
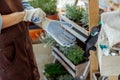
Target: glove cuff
29	14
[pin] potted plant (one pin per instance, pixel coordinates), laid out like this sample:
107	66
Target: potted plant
73	53
74	13
53	70
84	19
78	15
48	6
72	58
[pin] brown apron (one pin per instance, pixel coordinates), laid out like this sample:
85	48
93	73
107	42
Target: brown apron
17	61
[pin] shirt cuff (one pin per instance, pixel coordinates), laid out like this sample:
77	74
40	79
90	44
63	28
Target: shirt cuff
0	23
26	5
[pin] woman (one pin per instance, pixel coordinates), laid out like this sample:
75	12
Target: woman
17	61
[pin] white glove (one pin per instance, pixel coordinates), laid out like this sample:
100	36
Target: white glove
55	29
34	15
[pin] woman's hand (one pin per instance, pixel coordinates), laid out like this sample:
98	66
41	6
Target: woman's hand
34	15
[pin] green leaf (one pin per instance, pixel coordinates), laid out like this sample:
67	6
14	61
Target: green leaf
54	69
73	53
48	6
73	12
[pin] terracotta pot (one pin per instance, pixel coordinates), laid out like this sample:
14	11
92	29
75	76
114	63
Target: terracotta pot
35	34
53	17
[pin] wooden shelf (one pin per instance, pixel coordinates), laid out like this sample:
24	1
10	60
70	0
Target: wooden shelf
93	64
82	34
93	21
74	28
79	71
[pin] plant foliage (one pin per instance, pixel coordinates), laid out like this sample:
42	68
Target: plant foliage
73	53
53	70
85	17
47	40
48	6
73	12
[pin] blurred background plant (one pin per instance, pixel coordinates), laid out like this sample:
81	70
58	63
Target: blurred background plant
48	6
47	40
54	70
73	53
74	12
85	17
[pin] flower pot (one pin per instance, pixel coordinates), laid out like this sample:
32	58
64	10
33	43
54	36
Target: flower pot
53	17
35	34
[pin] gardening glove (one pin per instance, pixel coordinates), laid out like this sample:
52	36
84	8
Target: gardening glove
55	29
34	15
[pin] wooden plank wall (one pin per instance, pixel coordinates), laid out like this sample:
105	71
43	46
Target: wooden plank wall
93	20
93	13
